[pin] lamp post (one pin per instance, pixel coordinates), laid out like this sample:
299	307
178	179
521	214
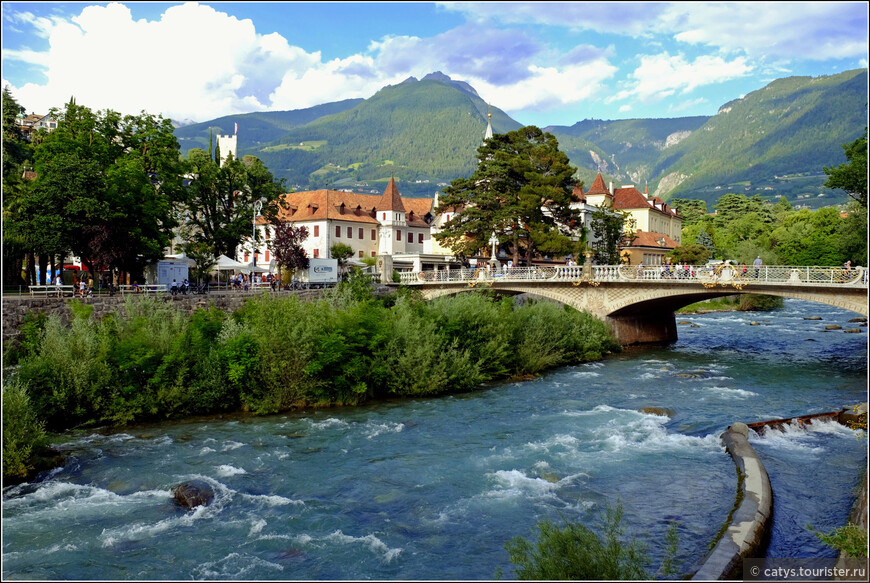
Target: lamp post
257	206
493	260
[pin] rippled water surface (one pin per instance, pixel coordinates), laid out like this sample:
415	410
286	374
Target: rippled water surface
432	489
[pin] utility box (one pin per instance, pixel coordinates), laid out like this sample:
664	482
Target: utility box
163	272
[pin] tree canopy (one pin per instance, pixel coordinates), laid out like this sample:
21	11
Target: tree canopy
521	191
851	176
219	199
104	189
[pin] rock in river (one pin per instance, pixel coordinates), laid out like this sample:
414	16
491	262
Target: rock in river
192	494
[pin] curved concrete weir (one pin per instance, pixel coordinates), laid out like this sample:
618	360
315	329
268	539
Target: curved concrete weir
750	520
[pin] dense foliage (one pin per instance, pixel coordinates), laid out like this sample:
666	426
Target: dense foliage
220	199
104	190
851	176
744	228
521	192
148	362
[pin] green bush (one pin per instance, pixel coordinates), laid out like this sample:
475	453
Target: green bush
23	433
850	539
760	303
420	359
577	552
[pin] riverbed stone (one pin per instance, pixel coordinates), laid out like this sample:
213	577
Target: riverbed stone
853	330
833	327
192	494
660	411
812	318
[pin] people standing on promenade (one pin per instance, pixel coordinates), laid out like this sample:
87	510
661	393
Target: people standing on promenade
57	283
757	264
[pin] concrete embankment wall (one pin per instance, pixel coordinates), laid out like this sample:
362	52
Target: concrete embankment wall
749	527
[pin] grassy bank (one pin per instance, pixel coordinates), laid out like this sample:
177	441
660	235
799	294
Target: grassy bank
148	362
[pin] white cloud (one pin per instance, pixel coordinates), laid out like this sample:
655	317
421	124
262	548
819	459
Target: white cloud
660	76
793	30
195	62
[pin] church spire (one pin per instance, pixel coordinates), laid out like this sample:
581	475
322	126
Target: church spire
488	133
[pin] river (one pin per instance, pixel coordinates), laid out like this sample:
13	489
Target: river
433	488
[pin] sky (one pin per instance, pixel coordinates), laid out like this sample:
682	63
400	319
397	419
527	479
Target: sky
542	63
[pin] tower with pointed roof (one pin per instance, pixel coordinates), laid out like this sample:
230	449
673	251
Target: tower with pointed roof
392	217
598	193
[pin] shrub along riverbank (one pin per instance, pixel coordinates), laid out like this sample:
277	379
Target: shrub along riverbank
148	362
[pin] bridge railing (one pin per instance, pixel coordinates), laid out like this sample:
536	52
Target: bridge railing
704	274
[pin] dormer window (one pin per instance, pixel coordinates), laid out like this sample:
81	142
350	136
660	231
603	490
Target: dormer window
341	209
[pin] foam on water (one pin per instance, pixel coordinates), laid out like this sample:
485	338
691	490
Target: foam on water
226	470
374	544
235	566
729	393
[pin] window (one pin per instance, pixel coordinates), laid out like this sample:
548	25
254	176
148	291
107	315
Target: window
374	235
246	257
316	230
420	238
360	254
360	232
337	231
374	254
385	216
410	237
267	255
350	232
398	235
316	253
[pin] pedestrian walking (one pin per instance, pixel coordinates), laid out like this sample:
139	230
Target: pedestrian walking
757	264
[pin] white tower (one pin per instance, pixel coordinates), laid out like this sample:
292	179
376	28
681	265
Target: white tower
226	145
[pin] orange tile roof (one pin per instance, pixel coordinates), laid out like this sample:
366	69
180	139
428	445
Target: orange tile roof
312	206
598	186
391	199
649	239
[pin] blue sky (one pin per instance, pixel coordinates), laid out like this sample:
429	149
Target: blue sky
542	63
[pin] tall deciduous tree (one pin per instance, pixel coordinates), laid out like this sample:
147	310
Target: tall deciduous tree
851	176
219	200
104	190
16	152
521	191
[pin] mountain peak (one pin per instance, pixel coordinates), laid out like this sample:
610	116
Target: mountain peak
440	77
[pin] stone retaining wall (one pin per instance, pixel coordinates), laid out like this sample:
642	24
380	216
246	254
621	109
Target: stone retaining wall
750	520
15	308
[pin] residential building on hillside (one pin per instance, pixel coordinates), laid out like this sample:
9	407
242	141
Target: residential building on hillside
34	122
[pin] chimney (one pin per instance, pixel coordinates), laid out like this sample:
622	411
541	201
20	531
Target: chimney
611	187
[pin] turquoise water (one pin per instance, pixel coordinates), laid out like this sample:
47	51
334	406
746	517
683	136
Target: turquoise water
433	488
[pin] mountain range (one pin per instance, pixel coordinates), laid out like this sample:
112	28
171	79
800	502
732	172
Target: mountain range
425	133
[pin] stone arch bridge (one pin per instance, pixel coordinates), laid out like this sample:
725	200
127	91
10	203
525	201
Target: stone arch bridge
639	304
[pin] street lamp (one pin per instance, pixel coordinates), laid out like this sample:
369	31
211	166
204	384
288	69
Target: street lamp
257	206
493	260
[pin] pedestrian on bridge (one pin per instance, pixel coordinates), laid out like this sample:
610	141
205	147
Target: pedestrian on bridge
757	264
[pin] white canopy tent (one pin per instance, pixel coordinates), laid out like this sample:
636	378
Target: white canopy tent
256	268
224	263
